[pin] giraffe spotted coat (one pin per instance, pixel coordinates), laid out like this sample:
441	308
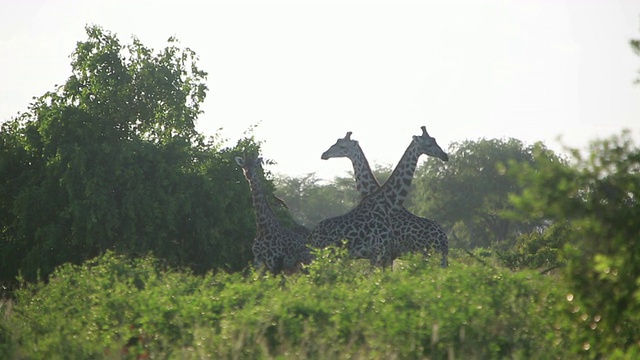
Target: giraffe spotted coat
368	228
411	233
276	247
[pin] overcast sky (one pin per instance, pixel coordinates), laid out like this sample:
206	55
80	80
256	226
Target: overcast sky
308	72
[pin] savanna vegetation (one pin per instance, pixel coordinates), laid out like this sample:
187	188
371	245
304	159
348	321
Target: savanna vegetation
125	233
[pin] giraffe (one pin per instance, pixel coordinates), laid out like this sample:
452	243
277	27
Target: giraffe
411	233
367	227
275	246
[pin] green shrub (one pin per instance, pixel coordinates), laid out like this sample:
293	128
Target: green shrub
537	249
113	306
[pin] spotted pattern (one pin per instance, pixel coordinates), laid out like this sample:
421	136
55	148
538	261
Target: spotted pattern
276	247
369	229
411	233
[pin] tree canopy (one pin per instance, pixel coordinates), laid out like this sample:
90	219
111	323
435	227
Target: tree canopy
111	160
469	194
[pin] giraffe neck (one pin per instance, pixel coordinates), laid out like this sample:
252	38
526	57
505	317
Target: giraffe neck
366	182
264	213
396	189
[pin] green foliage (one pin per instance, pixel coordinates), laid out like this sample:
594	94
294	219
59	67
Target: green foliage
311	200
6	343
538	249
111	306
470	193
111	160
599	196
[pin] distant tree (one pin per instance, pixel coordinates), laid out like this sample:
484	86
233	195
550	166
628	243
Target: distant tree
381	172
469	193
311	200
599	196
112	160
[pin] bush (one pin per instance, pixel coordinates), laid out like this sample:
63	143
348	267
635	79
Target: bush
598	195
112	306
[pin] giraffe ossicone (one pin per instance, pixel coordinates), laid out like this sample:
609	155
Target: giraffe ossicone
368	228
411	233
276	247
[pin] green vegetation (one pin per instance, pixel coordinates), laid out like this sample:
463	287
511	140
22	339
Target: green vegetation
469	193
125	234
599	196
111	161
312	201
341	308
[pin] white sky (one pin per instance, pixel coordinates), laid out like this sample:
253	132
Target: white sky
307	72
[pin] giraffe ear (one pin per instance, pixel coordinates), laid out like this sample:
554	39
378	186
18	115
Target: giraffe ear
239	161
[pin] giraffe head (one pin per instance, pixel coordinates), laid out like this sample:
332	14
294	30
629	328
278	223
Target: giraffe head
249	164
344	147
427	145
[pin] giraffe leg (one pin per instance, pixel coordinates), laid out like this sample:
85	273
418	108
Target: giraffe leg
444	250
381	255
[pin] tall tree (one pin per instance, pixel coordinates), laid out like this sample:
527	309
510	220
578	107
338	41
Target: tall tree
470	193
112	160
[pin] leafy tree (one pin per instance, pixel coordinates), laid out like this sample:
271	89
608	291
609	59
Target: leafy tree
599	195
112	160
469	193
